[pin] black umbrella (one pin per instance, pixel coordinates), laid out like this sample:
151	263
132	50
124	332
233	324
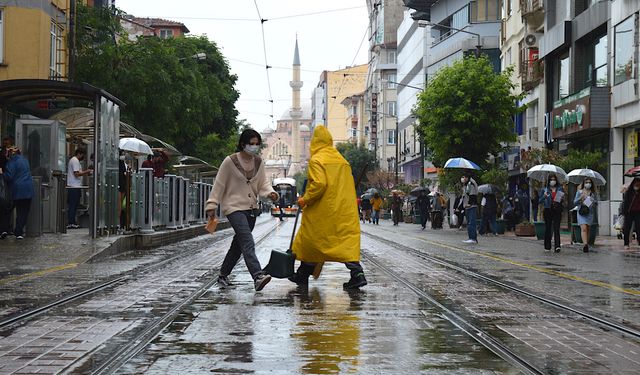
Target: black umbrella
420	189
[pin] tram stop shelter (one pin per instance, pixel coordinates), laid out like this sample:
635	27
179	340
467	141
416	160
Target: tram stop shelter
28	108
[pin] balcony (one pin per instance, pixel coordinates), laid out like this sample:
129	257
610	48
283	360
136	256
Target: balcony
533	12
532	73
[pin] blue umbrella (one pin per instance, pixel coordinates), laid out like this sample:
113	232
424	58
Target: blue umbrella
461	163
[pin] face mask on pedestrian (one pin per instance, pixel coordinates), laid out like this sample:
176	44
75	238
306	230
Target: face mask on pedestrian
587	185
636	187
552	183
252	149
463	180
122	157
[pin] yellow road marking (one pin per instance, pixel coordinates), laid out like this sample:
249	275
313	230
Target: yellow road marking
11	279
534	268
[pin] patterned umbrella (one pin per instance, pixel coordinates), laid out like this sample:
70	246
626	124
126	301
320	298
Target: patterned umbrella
578	175
461	163
541	172
633	172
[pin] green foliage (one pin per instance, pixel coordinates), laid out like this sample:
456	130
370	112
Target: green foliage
361	159
449	180
300	177
496	176
169	95
577	159
467	111
539	156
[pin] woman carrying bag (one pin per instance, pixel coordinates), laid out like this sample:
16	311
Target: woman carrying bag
240	181
586	201
551	199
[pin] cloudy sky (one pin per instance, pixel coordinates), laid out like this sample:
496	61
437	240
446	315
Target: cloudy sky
329	38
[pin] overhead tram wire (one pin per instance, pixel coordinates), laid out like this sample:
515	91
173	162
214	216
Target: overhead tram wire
254	20
264	49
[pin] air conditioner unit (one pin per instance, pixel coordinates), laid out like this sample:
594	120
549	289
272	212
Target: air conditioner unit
532	40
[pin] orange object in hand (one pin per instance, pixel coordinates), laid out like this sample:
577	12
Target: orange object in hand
301	202
212	224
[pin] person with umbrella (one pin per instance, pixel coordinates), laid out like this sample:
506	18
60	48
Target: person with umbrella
470	204
489	205
631	211
551	199
586	200
376	205
438	205
365	204
396	206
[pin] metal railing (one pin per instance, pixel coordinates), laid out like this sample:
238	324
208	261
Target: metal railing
532	72
531	6
171	202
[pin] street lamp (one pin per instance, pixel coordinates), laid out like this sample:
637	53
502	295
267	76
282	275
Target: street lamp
428	23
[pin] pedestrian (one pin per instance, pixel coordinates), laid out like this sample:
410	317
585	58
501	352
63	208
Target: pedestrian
586	200
522	197
158	163
240	181
281	205
438	204
631	211
17	174
123	189
5	200
376	206
74	185
535	202
551	199
330	231
489	214
470	204
423	208
7	142
396	207
366	210
458	212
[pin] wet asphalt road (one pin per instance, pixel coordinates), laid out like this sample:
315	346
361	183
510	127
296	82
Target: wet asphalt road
383	328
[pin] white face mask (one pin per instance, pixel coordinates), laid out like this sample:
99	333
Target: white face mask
636	188
552	183
587	186
122	157
252	149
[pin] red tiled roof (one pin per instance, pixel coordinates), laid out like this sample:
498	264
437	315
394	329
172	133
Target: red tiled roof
159	22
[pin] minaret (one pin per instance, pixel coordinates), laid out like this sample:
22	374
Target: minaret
296	109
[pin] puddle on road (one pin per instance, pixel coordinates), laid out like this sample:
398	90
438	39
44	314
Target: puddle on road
319	330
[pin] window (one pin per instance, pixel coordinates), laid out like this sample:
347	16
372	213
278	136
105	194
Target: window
594	63
354	110
166	33
1	35
564	65
485	10
55	51
391	57
391	81
391	108
624	50
391	137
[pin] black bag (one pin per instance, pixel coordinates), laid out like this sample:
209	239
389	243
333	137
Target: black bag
583	210
5	194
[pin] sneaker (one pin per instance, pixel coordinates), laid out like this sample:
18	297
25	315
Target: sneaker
20	237
3	235
73	226
557	249
224	281
299	279
547	250
470	241
355	282
261	281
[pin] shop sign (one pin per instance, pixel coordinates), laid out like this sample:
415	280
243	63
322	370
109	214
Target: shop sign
571	115
632	145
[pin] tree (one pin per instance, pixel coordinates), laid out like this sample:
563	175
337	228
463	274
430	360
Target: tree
534	157
467	111
577	159
361	160
169	95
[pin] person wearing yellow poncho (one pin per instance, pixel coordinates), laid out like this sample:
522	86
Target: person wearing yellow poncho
330	229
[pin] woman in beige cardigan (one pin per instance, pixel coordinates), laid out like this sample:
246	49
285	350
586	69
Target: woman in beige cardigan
240	181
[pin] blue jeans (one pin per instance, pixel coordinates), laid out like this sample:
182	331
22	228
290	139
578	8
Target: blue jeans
472	214
73	199
376	216
242	244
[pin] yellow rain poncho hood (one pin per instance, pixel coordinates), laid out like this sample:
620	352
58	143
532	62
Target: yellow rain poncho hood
330	229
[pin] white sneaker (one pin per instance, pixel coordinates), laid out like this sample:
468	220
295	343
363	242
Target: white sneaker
470	241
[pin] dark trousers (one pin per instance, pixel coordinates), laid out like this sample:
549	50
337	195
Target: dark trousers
551	226
73	199
22	213
396	216
632	217
423	218
5	218
488	223
281	213
306	269
242	223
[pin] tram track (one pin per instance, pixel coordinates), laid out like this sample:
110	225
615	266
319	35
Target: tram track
104	285
587	316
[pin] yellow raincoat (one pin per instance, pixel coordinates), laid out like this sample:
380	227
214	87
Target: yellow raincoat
330	229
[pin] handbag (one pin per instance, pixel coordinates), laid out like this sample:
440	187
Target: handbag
583	210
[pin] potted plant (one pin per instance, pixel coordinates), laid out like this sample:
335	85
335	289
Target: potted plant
540	229
525	229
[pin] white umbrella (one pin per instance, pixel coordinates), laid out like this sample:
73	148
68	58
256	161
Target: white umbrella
578	175
541	172
135	145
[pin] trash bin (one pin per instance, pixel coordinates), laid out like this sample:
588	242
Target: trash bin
500	226
577	233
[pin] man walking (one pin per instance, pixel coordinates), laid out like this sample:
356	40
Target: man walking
470	205
74	186
330	229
